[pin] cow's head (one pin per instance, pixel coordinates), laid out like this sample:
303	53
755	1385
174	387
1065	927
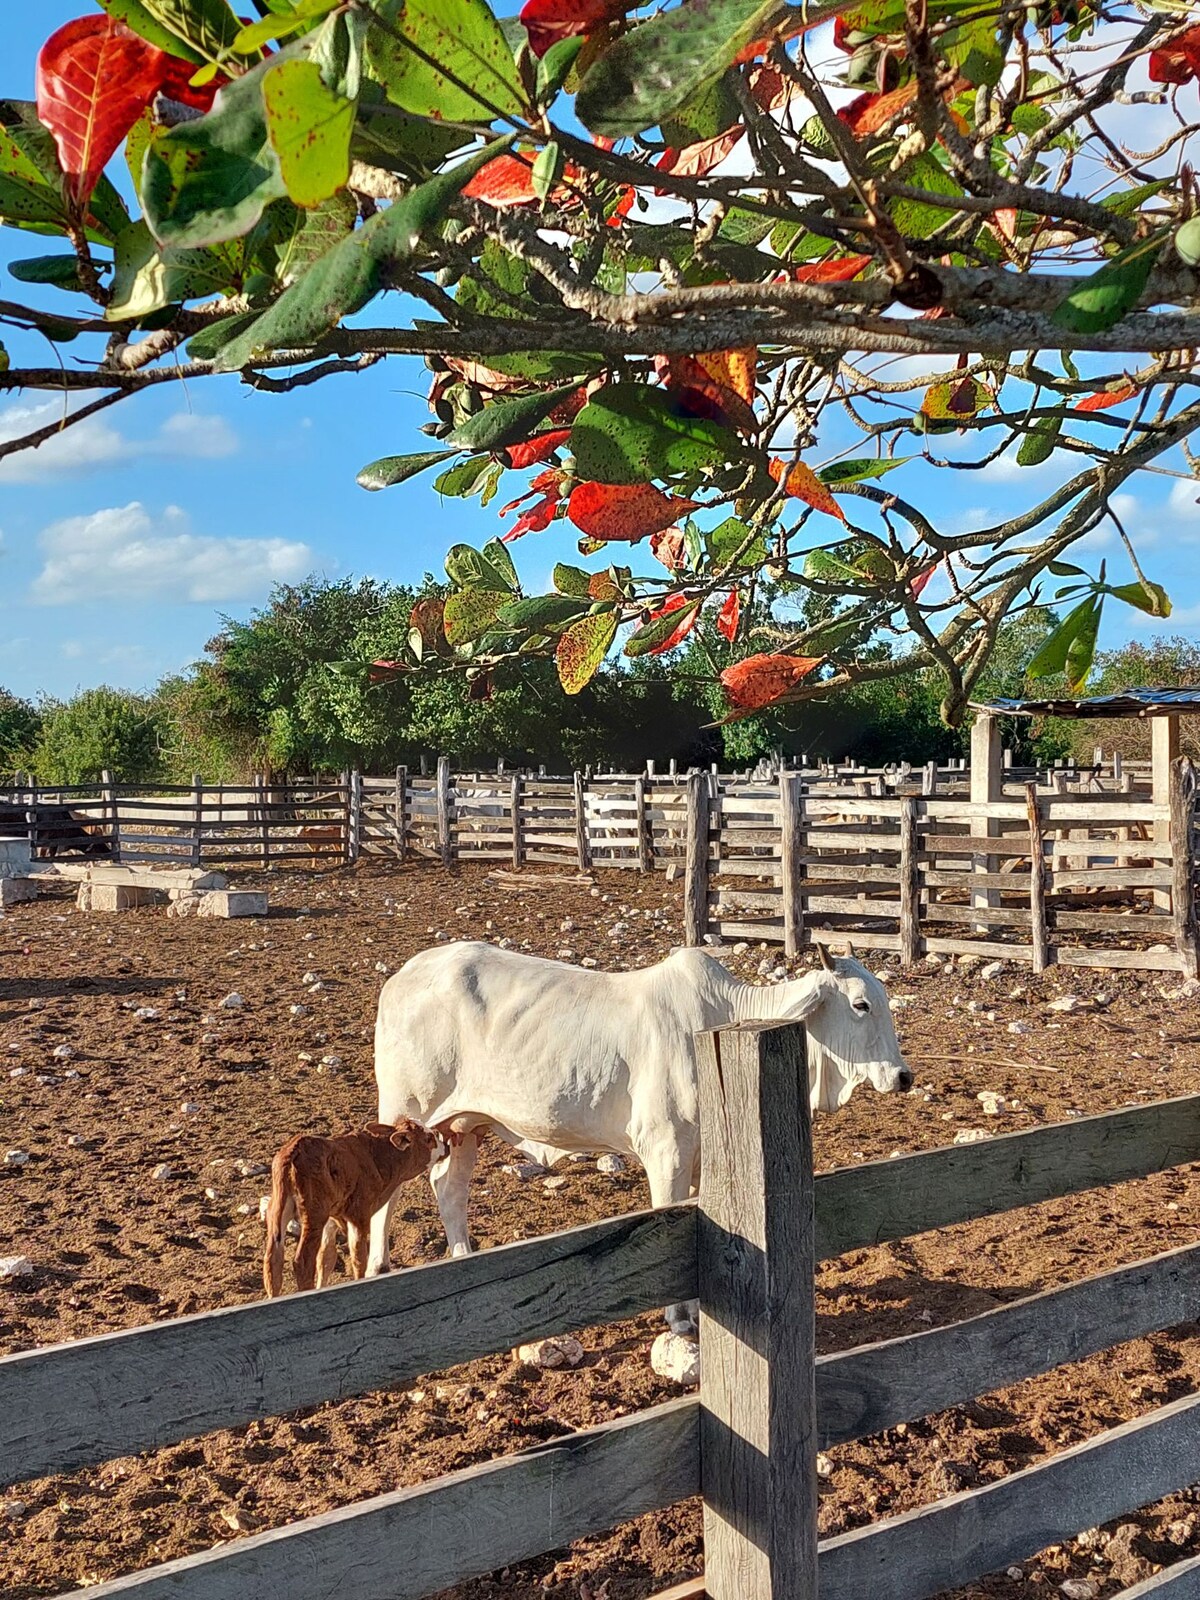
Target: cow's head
851	1037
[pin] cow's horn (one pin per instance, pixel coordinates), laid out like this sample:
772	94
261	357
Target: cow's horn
827	960
849	950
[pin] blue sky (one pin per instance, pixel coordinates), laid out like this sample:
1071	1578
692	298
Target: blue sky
121	542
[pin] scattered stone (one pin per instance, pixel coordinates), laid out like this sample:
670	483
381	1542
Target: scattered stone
14	1510
189	1108
610	1164
1078	1589
824	1466
163	1171
19	1072
16	1267
525	1170
972	1135
554	1183
249	1169
264	1200
1014	1573
298	1011
991	1101
993	969
331	1061
144	1014
935	960
231	1002
676	1359
901	1002
1065	1002
233	903
309	977
547	1354
1018	1027
16	1158
382	966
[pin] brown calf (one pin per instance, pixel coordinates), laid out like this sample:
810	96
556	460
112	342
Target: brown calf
344	1180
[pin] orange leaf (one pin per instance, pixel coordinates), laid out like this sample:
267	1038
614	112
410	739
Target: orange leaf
540	448
701	394
1006	222
675	602
601	587
871	111
669	547
1106	398
921	579
840	270
761	680
548	21
1177	62
733	369
697	160
802	483
627	511
730	616
95	77
507	181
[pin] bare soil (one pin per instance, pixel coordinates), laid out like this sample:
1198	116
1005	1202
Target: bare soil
114	1246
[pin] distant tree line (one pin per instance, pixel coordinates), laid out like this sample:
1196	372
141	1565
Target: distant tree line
290	690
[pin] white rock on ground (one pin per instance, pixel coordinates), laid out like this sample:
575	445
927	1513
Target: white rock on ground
993	969
991	1101
1018	1027
610	1164
972	1135
189	1108
231	1002
555	1182
16	1158
676	1359
16	1267
62	1052
1065	1002
163	1170
147	1014
1078	1589
525	1170
546	1354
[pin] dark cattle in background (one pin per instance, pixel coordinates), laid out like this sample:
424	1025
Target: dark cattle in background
57	830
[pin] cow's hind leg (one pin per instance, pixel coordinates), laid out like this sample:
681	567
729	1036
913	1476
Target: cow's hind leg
669	1172
379	1255
327	1259
450	1179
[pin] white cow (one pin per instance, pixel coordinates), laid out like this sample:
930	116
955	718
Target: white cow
555	1058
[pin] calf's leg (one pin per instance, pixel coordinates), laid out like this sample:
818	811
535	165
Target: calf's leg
312	1229
327	1259
358	1239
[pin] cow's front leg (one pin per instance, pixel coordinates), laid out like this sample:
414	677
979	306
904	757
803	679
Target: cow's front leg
450	1180
669	1173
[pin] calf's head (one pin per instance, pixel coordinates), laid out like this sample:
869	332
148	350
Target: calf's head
851	1036
403	1149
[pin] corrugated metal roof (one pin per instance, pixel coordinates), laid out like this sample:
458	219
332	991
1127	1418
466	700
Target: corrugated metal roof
1129	703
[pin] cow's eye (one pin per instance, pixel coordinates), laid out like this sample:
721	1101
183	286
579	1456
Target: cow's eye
861	1006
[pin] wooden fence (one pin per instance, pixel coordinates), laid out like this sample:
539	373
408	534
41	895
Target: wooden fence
747	1444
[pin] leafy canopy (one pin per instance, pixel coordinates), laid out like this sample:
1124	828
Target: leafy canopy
683	320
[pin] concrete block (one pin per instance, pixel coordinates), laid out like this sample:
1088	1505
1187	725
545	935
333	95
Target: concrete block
16	858
233	903
14	891
115	897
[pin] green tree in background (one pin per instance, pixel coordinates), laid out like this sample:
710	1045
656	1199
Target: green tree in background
20	724
100	729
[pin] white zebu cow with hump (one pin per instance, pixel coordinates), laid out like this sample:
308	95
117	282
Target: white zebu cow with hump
555	1058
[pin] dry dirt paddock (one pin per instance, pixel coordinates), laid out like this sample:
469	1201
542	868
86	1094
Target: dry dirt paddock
158	1075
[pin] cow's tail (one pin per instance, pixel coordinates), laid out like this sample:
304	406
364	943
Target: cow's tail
281	1210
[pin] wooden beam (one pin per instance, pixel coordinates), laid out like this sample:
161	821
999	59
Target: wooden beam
1164	752
581	830
966	1535
1183	889
987	787
755	1259
442	802
1178	1582
910	886
791	831
1037	881
695	899
121	1393
416	1542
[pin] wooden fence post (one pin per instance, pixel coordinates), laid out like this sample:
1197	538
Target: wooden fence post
110	813
695	899
581	828
791	859
400	812
1183	904
756	1256
514	811
260	805
443	809
197	818
645	842
910	884
1037	880
356	816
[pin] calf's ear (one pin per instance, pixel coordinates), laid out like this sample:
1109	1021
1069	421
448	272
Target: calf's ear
382	1128
401	1138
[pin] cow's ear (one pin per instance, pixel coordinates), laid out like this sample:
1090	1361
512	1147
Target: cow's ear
801	1008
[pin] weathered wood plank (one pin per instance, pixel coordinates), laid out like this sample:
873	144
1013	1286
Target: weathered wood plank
910	885
695	907
755	1265
791	837
875	1386
1183	893
120	1393
944	1545
880	1200
1178	1582
415	1542
1037	881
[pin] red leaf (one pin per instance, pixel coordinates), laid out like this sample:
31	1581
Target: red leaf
506	181
717	398
698	160
95	77
534	520
627	511
730	616
176	85
623	207
802	483
1006	222
381	671
675	602
840	270
921	579
1106	398
538	449
548	21
1179	61
669	547
760	680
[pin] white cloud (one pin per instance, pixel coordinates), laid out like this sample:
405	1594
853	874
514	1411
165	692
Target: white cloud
125	554
95	443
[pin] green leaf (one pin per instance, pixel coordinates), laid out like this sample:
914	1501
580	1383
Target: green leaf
974	49
630	433
1064	569
309	129
496	556
61	272
828	568
1052	657
137	15
1038	444
25	196
465	71
652	634
1127	202
728	537
208	27
653	70
508	421
146	277
856	471
545	366
29	155
382	474
1081	651
301	237
582	649
209	342
1187	242
572	580
1100	301
1149	597
547	170
350	275
554	66
544	613
469	614
384	136
469	568
212	179
464	478
917	219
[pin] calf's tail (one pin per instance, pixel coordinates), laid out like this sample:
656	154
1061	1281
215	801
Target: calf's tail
281	1209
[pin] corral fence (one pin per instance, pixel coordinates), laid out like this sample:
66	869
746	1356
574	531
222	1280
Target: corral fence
747	1443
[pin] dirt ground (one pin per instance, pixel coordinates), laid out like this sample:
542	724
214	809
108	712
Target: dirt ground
156	1074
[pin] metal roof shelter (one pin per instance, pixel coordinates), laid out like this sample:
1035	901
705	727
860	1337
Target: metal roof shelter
1128	703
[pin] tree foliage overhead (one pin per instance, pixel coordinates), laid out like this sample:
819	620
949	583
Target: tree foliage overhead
663	260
